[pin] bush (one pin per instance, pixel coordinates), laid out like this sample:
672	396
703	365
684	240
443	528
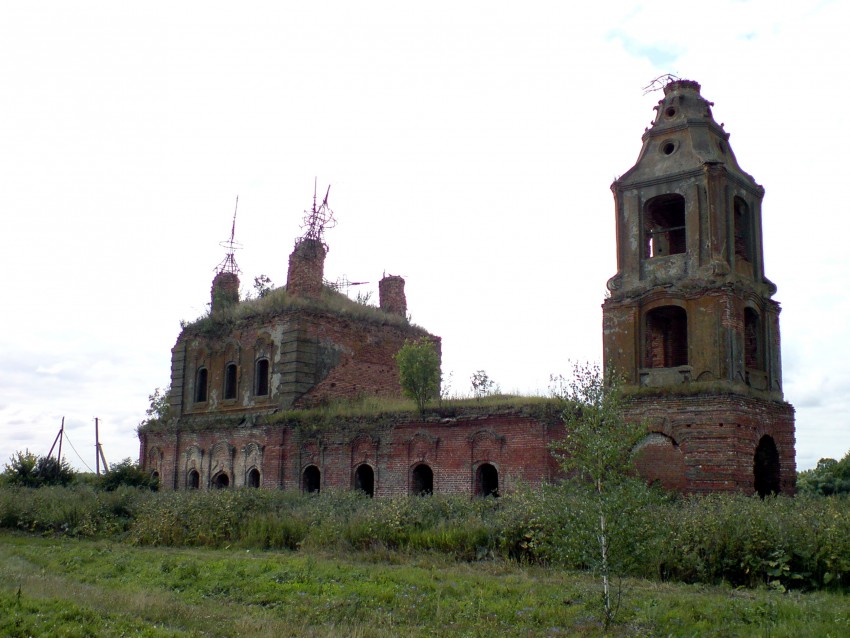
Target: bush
25	469
780	542
830	477
128	473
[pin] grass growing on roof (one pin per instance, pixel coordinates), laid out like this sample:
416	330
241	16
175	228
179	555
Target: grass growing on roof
279	301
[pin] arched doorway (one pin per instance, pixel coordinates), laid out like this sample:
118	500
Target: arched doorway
193	481
422	480
766	468
221	481
311	480
364	479
486	480
253	479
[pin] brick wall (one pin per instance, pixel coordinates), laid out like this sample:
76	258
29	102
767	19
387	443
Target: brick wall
306	269
225	291
515	444
391	294
703	443
716	437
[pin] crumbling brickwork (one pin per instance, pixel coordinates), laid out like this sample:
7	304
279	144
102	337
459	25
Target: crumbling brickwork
690	324
513	442
391	292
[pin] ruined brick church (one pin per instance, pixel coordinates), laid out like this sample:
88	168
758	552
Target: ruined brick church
690	324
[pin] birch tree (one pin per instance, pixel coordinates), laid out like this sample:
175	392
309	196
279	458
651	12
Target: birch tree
596	456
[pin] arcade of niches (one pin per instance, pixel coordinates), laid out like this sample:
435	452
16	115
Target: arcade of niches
690	325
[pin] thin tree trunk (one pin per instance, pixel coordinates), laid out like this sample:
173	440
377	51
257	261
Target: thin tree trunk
606	588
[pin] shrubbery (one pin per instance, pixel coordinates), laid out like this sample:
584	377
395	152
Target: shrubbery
828	478
127	473
801	543
28	470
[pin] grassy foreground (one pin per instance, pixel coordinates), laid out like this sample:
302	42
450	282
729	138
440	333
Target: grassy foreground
57	586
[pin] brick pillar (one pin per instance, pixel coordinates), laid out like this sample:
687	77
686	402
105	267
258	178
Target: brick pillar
225	291
306	269
391	292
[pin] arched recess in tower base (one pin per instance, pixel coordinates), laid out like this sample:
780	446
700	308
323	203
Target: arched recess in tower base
658	459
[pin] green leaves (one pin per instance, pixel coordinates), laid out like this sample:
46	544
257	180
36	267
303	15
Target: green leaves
598	444
419	371
28	470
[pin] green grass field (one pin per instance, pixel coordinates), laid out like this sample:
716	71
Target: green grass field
56	586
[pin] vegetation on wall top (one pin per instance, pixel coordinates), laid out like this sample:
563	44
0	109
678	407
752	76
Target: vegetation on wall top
276	301
369	413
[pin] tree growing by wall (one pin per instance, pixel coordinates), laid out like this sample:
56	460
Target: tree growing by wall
482	384
419	371
263	286
129	473
157	413
596	456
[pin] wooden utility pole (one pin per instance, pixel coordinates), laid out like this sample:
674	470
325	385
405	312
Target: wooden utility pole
98	450
96	447
58	438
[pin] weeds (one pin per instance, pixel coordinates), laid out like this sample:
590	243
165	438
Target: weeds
782	543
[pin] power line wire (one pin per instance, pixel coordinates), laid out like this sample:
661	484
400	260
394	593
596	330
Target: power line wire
77	453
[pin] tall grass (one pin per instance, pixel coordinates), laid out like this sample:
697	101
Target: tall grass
784	543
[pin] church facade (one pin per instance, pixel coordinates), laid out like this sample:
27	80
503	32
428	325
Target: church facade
690	326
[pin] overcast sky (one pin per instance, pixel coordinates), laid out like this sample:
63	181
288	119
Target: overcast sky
470	147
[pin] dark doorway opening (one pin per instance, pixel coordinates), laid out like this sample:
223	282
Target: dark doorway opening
230	381
766	470
311	480
422	480
201	386
752	340
253	478
666	337
194	481
261	381
221	481
486	480
743	233
364	479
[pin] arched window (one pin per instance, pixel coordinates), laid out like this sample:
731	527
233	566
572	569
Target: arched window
364	479
486	480
311	480
743	232
261	377
253	479
666	337
422	480
766	469
221	481
664	226
201	385
193	480
753	352
230	381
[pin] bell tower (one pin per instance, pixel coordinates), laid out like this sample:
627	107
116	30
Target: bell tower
690	323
